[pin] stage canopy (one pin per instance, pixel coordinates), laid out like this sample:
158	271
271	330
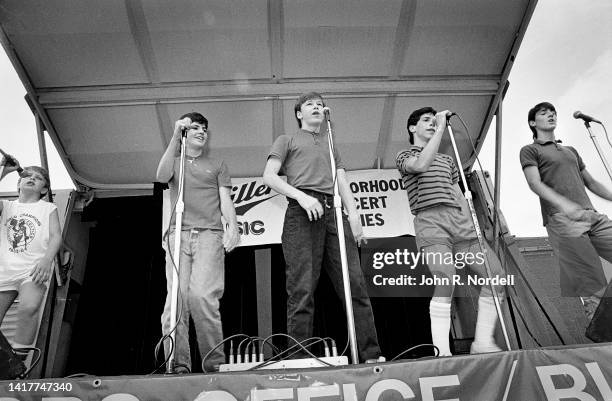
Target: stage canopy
108	78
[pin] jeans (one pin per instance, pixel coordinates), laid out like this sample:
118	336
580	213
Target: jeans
309	245
578	245
201	284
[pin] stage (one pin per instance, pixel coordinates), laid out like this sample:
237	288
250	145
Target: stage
554	373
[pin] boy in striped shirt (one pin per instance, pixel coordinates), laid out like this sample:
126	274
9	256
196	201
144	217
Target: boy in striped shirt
443	226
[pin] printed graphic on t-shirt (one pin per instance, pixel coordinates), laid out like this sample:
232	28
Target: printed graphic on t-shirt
21	230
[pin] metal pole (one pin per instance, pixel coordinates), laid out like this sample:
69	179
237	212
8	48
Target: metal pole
496	186
42	146
176	255
348	300
468	197
42	150
44	162
596	143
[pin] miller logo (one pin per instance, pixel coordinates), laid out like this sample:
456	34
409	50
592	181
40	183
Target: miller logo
245	197
248	195
20	232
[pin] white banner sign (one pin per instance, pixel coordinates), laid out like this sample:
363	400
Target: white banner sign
382	203
260	211
380	199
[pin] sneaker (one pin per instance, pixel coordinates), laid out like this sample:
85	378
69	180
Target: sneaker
181	370
380	359
483	348
444	353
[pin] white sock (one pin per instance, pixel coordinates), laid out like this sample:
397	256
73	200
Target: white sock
439	314
486	320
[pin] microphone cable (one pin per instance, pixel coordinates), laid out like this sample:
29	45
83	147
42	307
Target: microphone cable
159	344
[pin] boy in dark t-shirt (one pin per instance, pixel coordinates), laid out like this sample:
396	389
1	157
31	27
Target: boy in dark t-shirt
577	233
207	187
443	226
309	237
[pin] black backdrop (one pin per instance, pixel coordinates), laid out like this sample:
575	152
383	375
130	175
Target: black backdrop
117	321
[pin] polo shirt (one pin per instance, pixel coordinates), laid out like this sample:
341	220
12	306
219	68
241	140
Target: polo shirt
560	168
203	177
305	160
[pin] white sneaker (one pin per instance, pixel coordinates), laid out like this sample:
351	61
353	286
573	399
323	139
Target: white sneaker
483	348
443	353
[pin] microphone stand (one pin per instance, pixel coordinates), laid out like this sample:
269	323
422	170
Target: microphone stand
481	243
176	254
598	148
348	300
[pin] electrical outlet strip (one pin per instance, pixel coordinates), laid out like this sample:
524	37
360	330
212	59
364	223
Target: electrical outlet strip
287	364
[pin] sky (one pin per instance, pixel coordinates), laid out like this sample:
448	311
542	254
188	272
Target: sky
565	58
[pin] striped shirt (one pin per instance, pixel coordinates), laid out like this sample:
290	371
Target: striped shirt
432	187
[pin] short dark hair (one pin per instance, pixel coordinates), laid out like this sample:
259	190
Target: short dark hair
196	118
40	170
303	99
414	118
534	110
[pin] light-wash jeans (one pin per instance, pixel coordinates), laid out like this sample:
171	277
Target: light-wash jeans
578	244
201	284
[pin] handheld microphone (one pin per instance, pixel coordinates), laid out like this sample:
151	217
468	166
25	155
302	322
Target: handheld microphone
587	119
185	129
448	116
11	161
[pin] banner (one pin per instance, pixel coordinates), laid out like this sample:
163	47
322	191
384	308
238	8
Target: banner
260	211
381	201
566	373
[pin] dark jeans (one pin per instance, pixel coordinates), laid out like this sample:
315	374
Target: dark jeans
307	245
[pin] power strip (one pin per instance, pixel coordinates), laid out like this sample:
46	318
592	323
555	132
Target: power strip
287	364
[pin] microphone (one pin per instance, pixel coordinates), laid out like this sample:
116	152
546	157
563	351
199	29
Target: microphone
450	114
184	130
11	161
326	110
587	119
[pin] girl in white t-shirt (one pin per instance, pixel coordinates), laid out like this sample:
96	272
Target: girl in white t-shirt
30	238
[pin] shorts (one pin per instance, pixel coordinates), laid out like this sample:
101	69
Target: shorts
445	225
15	282
579	244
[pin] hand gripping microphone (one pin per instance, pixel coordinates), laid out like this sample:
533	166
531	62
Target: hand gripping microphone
11	161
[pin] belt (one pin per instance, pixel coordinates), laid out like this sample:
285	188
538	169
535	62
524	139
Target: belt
326	200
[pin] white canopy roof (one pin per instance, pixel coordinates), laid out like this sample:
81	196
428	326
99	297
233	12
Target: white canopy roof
108	78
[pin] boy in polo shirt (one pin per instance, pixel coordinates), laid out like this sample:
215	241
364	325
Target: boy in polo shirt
309	236
577	233
443	226
207	187
30	237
